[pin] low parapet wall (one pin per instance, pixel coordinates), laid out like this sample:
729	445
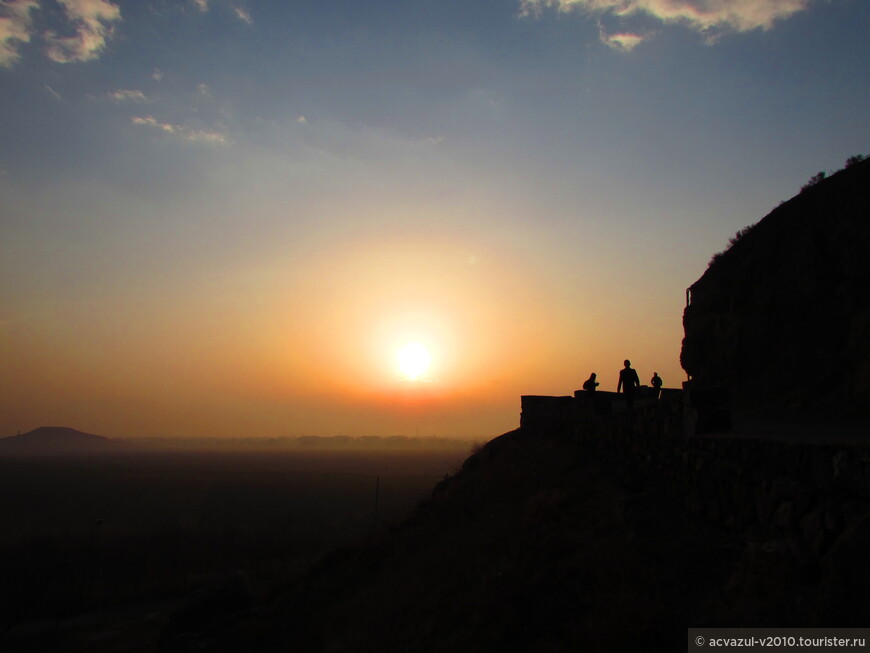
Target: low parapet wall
543	414
698	411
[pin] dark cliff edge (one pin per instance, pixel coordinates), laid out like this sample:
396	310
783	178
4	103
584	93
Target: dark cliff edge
782	318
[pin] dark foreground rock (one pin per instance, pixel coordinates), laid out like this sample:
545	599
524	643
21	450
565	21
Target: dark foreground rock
782	318
534	545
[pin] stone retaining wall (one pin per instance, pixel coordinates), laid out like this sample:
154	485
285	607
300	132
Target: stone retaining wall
800	497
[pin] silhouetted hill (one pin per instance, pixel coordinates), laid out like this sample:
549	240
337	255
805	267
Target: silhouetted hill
782	318
533	545
55	440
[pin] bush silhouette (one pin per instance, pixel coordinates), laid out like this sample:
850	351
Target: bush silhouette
815	179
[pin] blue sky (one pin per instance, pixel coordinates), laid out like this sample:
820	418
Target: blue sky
181	183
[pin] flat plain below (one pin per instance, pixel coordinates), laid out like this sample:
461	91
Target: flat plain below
96	551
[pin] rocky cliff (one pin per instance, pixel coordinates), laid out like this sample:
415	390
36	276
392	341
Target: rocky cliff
782	318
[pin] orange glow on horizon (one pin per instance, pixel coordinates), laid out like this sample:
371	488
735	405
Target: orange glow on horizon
266	350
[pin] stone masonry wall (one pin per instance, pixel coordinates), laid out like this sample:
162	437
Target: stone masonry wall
803	499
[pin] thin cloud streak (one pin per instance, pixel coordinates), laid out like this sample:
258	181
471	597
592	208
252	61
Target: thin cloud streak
151	122
244	15
57	96
127	95
181	131
240	12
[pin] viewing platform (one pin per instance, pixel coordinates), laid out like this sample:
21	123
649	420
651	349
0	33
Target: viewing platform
675	413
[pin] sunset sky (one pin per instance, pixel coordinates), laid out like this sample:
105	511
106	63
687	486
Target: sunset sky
226	217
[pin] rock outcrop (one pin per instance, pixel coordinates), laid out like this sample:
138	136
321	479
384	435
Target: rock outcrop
782	318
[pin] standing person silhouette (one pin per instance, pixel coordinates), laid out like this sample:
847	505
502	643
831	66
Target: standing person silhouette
656	383
628	383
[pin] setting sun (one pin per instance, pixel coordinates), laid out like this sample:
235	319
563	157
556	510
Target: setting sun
414	360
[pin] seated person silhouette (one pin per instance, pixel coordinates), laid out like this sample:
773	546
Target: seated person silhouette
628	383
590	384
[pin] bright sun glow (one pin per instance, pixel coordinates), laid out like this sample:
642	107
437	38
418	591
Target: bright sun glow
414	360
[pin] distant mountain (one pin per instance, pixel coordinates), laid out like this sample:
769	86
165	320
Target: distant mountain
54	440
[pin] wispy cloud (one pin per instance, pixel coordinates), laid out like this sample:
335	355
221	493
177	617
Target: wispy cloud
127	95
712	18
150	121
182	131
15	28
93	21
57	96
624	42
205	136
244	15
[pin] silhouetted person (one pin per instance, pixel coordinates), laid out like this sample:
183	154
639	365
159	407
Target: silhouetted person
590	384
656	383
628	383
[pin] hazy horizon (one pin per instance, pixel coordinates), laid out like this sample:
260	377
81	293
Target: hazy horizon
235	216
264	440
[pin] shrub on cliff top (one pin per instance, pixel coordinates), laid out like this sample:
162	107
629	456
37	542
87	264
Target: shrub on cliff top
815	179
731	242
740	234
